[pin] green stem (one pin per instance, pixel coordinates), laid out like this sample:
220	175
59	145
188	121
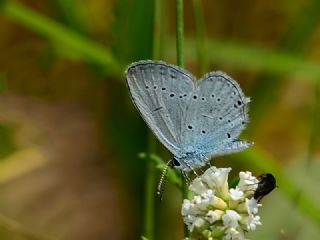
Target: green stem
150	186
200	36
180	62
149	214
157	29
180	36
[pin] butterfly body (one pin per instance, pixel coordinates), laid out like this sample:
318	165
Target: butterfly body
194	119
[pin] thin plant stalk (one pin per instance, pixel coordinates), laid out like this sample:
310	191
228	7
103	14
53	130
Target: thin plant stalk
180	34
200	36
150	183
180	62
150	186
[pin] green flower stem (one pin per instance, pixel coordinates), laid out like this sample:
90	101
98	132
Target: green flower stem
150	186
149	214
157	29
180	62
200	36
179	34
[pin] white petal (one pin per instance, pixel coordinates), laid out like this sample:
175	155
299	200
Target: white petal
247	183
218	203
197	199
185	207
216	177
253	221
233	234
213	216
198	223
197	186
231	219
235	194
252	206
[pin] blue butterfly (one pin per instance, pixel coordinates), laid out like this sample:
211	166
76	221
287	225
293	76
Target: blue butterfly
194	120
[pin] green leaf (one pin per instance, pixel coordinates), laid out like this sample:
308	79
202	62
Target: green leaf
62	36
252	57
172	175
69	13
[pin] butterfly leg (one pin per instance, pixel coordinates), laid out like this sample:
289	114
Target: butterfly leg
191	168
185	176
210	167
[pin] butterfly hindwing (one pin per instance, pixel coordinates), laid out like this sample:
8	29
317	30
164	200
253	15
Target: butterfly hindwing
217	113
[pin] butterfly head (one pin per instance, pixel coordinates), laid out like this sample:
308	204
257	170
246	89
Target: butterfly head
175	163
189	162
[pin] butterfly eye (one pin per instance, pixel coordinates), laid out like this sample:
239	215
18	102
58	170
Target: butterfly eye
175	162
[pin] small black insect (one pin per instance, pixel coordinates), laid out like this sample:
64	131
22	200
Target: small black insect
266	184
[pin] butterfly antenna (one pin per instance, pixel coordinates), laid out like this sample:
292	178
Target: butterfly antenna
163	180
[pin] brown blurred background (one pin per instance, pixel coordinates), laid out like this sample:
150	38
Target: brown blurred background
69	134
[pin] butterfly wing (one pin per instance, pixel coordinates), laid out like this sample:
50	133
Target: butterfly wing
217	115
160	92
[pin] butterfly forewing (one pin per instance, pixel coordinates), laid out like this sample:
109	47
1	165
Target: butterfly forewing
160	92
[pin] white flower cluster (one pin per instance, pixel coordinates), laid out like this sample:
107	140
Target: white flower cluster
217	212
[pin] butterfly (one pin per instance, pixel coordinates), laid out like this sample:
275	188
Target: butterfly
194	119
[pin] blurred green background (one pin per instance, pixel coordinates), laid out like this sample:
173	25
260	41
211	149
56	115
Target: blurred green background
70	136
